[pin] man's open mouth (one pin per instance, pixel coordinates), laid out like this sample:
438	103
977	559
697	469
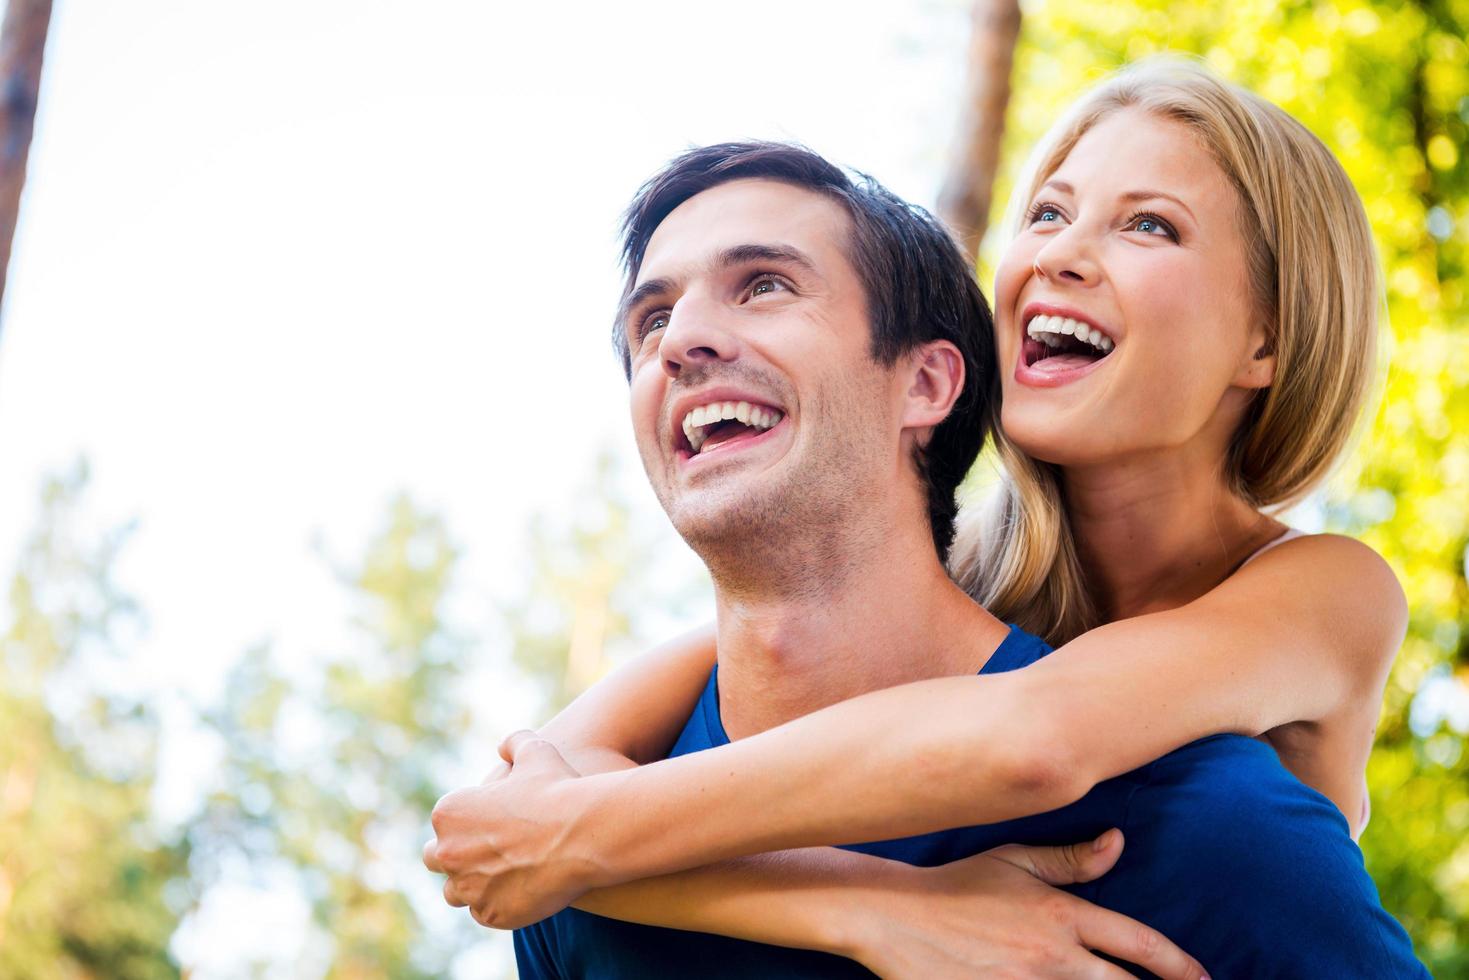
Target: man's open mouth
722	423
1063	343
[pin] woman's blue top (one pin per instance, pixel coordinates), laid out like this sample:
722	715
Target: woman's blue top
1229	855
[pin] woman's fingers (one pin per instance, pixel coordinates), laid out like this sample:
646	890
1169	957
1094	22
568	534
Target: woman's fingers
1100	969
451	895
1125	939
511	742
431	857
1067	864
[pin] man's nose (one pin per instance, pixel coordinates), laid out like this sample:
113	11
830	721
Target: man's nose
696	336
1069	256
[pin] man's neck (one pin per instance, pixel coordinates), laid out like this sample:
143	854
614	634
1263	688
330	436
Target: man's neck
899	619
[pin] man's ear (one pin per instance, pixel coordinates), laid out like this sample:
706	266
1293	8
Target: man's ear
935	380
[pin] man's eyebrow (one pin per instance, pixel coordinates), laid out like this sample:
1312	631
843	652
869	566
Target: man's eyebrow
732	256
1130	196
760	252
653	287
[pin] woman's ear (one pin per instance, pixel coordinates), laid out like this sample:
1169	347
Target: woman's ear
1258	368
935	379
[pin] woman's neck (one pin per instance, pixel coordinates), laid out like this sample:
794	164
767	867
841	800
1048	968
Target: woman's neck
1157	533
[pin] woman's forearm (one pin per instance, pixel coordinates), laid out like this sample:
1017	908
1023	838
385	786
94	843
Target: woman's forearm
638	710
807	898
857	771
960	751
811	898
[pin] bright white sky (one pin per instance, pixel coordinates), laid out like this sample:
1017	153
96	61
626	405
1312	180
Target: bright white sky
278	260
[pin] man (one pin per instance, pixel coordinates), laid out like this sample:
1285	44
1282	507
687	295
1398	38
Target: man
812	374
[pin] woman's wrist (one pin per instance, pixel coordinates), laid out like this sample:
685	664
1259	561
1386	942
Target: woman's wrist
852	923
601	830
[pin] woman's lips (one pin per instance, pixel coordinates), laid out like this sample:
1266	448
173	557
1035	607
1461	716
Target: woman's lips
1053	370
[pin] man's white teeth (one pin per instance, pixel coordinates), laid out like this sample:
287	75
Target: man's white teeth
1050	329
755	416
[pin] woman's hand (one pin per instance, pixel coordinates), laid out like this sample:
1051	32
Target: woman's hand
504	844
497	843
997	915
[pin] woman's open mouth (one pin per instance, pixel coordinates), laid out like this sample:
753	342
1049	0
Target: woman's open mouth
1055	345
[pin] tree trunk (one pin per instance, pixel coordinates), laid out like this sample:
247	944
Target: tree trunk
964	201
22	46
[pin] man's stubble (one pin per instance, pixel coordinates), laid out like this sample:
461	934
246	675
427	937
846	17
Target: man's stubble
800	529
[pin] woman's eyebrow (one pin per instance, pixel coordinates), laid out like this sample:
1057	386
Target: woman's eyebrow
1150	195
1130	196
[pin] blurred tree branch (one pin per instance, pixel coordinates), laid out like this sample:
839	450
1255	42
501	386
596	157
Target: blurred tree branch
964	200
22	48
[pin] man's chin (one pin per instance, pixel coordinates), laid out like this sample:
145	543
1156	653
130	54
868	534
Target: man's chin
718	518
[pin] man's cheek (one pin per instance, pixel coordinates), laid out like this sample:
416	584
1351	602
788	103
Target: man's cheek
645	423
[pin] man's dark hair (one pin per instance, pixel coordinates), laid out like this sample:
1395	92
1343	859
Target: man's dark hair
917	283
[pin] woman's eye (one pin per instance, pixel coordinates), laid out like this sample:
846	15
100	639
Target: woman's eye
1151	224
1045	214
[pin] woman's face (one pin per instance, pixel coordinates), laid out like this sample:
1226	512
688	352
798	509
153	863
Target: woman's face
1124	312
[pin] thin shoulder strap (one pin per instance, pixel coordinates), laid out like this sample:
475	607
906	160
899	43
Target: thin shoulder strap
1290	533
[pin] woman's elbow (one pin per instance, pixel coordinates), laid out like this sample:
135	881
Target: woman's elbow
1041	774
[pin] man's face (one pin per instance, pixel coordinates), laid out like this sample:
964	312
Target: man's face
756	404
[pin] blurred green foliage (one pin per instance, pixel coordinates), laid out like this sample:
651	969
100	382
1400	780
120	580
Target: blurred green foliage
582	596
82	869
1386	86
328	770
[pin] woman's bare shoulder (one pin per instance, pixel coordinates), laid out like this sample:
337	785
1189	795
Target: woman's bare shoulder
1340	591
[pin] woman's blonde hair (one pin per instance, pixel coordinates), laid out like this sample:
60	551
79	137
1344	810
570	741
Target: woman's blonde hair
1313	272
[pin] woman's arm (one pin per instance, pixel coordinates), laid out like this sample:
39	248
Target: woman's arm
991	912
635	715
1304	632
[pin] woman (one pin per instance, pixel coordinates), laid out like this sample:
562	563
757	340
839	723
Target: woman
1186	321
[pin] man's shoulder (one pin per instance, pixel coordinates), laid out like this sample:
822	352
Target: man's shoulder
704	729
1018	649
1233	792
1223	822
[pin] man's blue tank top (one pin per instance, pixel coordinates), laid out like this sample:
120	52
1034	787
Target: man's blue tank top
1227	854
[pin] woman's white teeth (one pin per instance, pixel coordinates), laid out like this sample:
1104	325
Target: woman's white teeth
1050	329
755	416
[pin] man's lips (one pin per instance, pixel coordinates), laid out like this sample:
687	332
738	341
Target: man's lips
723	449
693	417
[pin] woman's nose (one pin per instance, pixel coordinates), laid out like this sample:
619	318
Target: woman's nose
1068	256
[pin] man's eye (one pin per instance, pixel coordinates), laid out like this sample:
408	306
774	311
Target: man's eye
656	321
764	285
